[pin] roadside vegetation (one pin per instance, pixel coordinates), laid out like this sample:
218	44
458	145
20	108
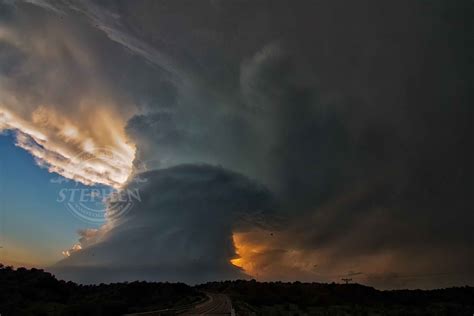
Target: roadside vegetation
297	298
36	292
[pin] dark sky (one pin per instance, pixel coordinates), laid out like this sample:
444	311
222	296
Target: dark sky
314	139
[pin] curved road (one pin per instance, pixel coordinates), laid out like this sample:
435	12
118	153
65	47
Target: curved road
217	304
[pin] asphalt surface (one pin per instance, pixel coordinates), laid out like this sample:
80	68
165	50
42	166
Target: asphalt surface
217	304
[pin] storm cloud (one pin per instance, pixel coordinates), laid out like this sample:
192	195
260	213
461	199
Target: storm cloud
180	229
356	116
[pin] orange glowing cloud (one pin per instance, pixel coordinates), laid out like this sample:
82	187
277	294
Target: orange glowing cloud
93	149
247	252
268	256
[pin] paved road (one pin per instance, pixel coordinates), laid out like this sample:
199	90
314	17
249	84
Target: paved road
218	304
